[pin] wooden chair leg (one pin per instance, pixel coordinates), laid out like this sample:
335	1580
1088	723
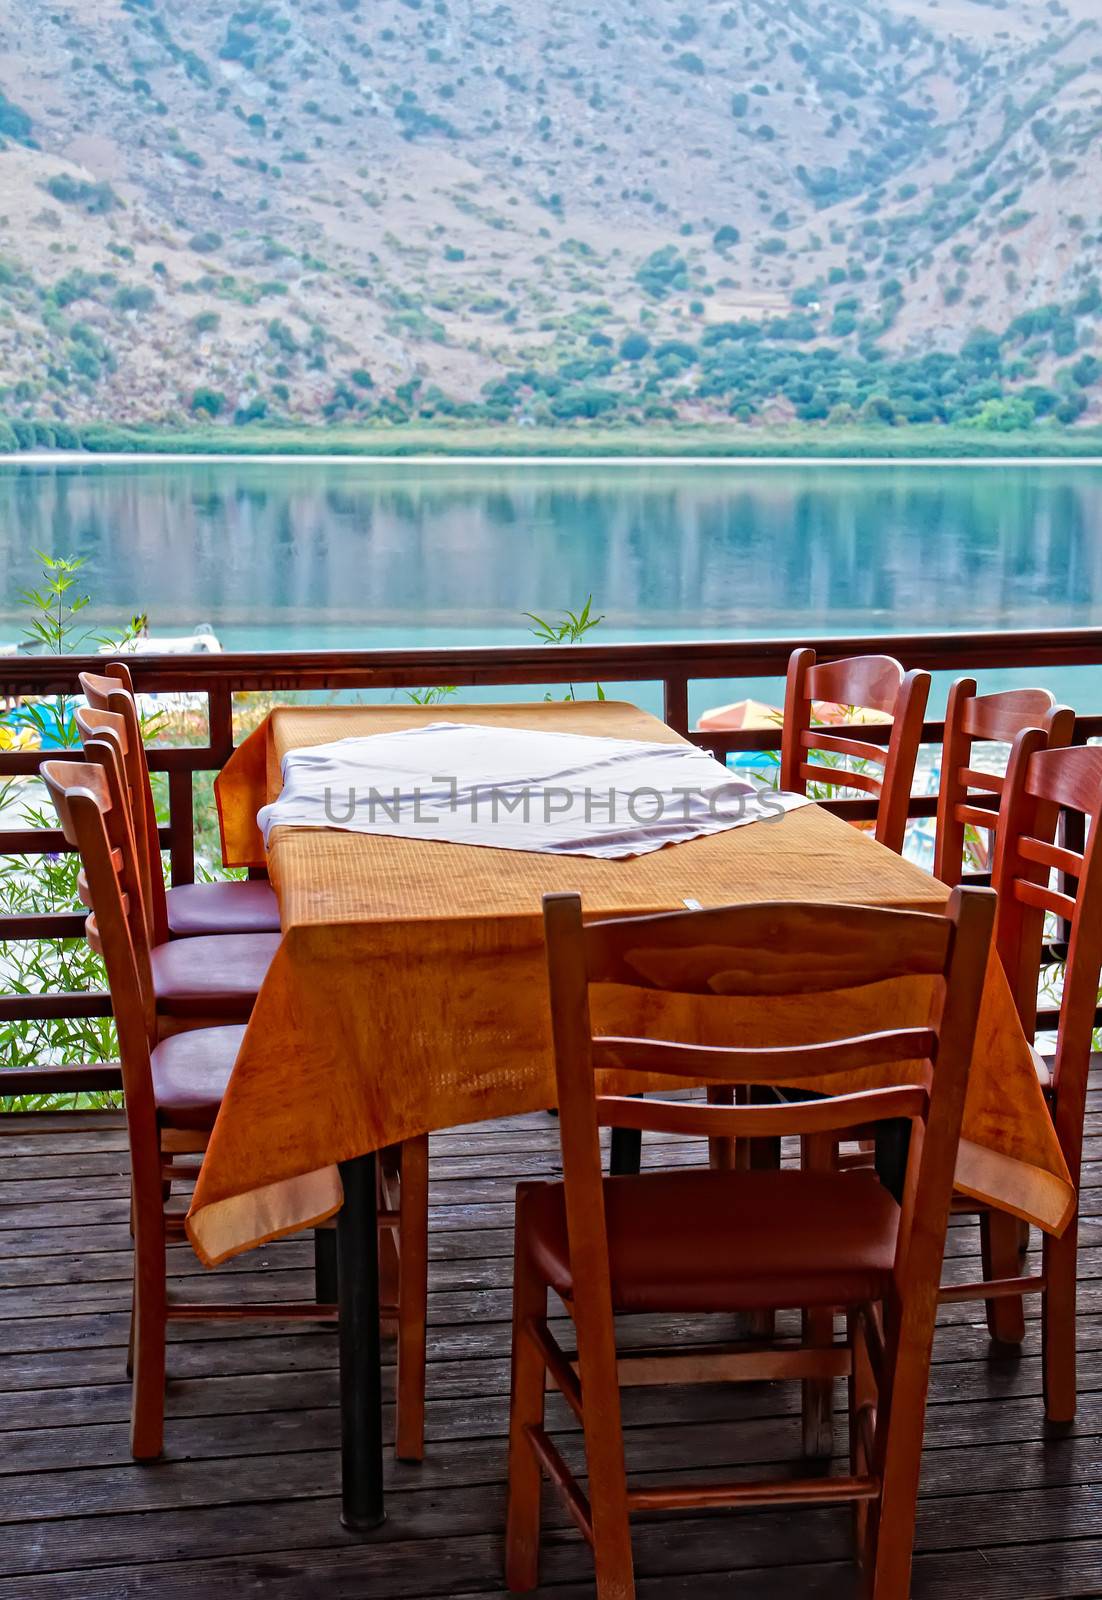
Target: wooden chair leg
1058	1325
762	1155
721	1152
817	1403
130	1335
818	1155
526	1409
413	1290
862	1397
999	1250
388	1182
147	1402
901	1418
604	1455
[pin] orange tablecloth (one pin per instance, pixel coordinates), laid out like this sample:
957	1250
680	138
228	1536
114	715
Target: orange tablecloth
409	992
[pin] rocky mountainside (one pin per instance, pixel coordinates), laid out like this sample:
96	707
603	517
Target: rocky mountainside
747	209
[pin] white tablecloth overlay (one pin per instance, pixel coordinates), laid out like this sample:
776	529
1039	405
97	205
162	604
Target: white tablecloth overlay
517	789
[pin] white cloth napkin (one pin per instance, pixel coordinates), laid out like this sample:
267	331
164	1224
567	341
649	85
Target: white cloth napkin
516	789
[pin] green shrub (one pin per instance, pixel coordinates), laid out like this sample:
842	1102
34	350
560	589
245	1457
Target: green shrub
75	285
878	408
14	122
96	198
208	402
205	322
584	403
663	270
203	243
1008	415
634	347
1071	408
281	336
134	297
255	411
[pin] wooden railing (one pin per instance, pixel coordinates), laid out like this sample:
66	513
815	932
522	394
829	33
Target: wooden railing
672	666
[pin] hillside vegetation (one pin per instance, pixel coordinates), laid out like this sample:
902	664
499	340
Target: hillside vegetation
754	212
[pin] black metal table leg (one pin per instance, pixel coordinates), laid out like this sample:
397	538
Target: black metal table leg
361	1379
625	1152
325	1266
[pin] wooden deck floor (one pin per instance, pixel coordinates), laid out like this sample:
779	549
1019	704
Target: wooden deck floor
244	1502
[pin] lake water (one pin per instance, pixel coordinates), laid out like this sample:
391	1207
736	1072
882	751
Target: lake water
355	554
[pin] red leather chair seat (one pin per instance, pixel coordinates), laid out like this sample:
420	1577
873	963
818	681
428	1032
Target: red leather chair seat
246	906
214	978
728	1241
190	1073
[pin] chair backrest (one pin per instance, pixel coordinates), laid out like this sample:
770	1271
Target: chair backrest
968	798
96	825
1040	784
876	683
104	739
113	690
777	950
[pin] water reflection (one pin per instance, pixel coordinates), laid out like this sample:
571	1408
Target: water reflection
313	554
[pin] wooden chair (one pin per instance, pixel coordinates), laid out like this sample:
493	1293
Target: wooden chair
187	910
694	1241
877	683
205	979
197	982
968	798
172	1089
1039	783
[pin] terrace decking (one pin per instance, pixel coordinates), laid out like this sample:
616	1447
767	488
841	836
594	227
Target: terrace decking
245	1502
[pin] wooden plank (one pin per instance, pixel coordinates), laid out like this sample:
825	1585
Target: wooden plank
245	1500
274	1275
469	1568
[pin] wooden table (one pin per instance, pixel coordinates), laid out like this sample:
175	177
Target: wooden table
438	947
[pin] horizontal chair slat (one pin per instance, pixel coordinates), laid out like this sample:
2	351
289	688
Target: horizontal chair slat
1051	855
770	1064
838	744
831	1115
840	778
1035	894
767	1492
976	816
990	781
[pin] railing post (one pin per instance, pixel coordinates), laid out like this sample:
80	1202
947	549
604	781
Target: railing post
181	827
675	703
220	721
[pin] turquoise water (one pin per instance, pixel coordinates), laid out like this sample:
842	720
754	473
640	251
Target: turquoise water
305	555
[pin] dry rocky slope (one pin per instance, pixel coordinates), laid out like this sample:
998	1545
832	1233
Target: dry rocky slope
753	210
